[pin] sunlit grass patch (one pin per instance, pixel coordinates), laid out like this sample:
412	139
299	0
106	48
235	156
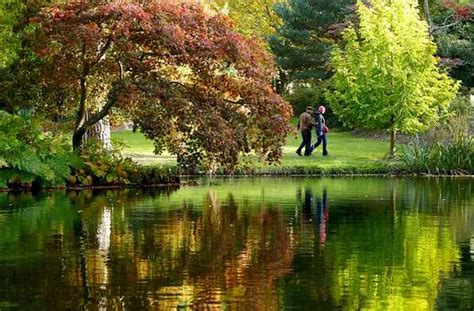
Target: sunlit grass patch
347	154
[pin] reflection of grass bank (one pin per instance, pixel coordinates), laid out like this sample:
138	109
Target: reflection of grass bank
348	155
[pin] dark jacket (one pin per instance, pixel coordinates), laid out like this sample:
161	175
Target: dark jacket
320	122
306	121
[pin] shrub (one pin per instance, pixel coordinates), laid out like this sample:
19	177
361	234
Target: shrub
304	96
447	149
455	157
108	168
152	175
415	157
27	155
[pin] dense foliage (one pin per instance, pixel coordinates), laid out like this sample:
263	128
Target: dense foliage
27	154
10	10
386	73
452	25
187	78
302	43
452	157
303	97
110	168
255	18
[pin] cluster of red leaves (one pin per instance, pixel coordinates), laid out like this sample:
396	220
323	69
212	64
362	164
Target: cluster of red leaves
461	11
449	62
464	12
224	106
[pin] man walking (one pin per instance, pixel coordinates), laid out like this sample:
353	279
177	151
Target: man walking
305	124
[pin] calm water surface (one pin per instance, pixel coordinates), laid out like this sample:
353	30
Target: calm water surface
251	244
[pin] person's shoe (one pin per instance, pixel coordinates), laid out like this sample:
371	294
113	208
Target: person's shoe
298	153
325	153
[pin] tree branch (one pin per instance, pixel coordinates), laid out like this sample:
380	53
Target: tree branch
102	51
444	26
83	89
104	111
426	5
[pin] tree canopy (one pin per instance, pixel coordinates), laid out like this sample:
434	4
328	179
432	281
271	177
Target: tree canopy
386	72
187	78
302	44
255	18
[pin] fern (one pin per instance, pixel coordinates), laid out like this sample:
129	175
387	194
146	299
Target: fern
26	153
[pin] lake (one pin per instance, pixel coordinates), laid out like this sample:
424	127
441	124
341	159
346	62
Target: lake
249	243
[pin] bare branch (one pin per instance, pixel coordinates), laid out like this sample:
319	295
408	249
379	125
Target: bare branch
432	30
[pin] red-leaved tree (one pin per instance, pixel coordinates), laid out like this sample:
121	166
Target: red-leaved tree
186	78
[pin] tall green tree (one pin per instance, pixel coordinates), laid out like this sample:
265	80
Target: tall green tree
302	44
386	73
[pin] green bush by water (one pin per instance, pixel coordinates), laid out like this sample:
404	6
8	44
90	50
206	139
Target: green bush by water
27	155
456	157
30	158
108	168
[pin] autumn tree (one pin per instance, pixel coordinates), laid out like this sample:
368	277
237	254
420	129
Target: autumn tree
188	79
255	18
386	73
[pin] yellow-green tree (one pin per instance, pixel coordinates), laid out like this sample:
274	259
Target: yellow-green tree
253	17
386	72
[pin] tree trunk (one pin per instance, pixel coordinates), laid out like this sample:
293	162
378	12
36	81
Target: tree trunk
99	131
90	121
77	139
392	143
281	82
426	9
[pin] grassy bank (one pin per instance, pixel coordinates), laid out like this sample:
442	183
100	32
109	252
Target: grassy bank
348	154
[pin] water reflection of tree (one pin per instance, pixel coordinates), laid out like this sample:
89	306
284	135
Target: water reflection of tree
226	255
222	255
402	266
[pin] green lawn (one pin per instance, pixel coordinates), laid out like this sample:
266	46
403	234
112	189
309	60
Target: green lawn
345	151
141	149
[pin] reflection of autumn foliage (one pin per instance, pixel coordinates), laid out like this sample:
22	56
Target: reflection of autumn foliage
224	255
242	255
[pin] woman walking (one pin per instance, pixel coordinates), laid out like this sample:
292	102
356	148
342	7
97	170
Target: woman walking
321	130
